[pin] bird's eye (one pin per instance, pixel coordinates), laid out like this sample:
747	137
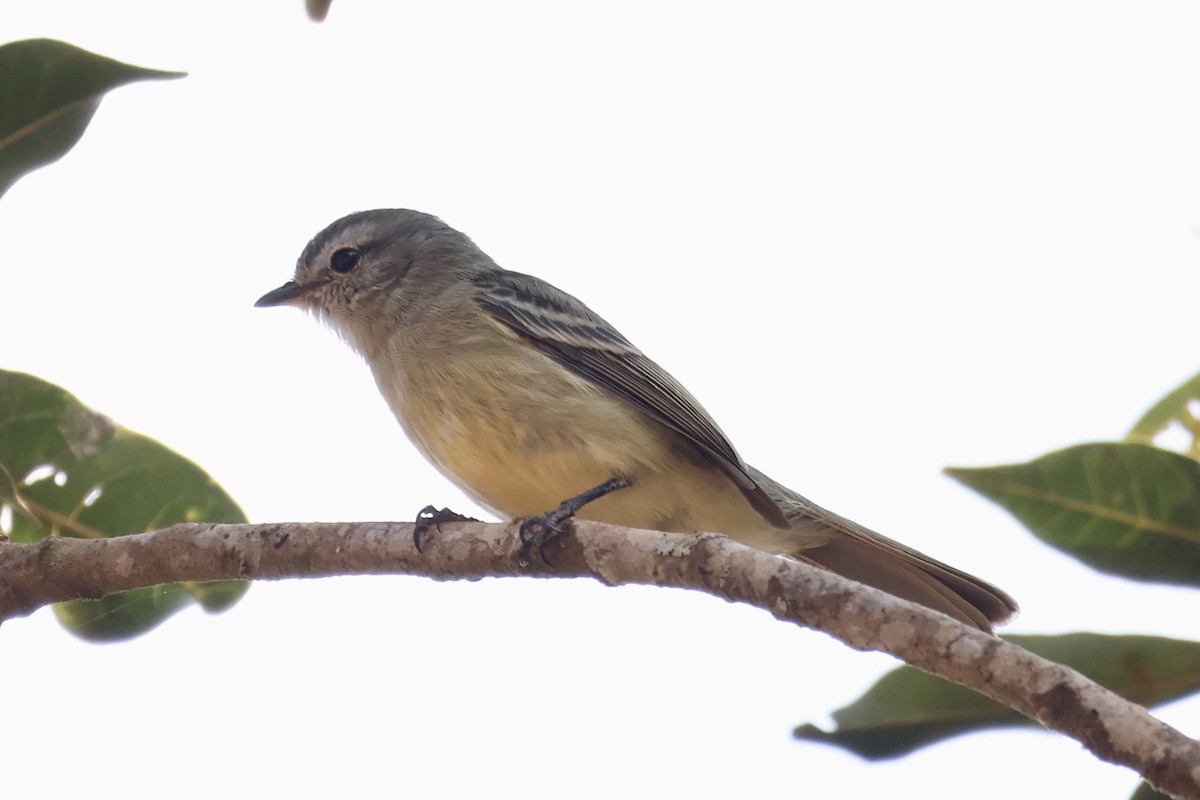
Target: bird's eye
344	260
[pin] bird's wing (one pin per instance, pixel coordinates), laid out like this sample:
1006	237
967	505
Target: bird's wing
569	332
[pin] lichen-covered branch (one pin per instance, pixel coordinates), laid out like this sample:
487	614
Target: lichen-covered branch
1114	729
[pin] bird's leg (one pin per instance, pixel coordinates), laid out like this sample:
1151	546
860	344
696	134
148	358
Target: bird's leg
430	517
541	529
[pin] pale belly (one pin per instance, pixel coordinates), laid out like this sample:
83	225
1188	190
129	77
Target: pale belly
521	443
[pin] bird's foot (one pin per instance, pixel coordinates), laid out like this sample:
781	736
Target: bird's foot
540	530
432	518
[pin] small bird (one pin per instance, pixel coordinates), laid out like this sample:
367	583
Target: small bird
524	397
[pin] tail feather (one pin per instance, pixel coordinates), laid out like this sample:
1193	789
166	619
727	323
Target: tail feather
847	548
916	577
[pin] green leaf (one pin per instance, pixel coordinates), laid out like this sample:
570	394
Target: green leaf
908	709
121	615
1174	408
67	471
1122	508
48	93
1145	791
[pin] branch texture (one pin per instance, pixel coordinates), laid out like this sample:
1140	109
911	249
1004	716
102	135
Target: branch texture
1061	699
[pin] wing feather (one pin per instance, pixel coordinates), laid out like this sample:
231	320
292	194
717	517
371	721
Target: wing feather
569	332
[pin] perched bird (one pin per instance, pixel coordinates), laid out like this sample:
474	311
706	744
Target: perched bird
524	397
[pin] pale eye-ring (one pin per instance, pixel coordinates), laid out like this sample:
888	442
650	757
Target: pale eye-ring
344	260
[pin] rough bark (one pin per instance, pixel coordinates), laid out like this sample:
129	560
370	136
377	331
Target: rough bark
1114	729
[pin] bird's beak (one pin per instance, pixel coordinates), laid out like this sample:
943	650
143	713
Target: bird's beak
285	295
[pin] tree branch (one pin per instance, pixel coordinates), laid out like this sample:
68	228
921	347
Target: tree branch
1114	729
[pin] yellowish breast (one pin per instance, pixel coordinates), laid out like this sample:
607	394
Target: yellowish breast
520	434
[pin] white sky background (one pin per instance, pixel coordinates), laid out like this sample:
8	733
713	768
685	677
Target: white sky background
875	239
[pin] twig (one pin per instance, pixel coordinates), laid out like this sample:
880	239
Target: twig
1114	729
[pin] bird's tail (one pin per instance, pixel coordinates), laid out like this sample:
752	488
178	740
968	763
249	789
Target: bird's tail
847	548
904	572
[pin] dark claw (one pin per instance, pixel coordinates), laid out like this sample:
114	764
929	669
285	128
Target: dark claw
422	524
430	517
542	529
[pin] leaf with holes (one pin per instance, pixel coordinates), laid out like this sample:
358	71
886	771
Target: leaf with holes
1174	410
907	709
67	471
1123	508
49	91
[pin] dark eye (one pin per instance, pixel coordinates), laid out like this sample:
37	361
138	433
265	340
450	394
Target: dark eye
344	260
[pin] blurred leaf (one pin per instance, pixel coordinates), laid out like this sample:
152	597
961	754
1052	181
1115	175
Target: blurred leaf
1123	508
908	709
9	496
121	615
1147	792
72	472
48	93
1174	408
